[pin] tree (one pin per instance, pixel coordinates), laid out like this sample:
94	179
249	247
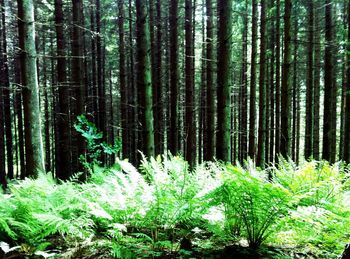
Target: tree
252	111
190	124
78	80
285	144
243	142
63	159
309	115
209	127
346	154
260	160
328	134
144	79
32	121
278	79
174	77
5	83
223	151
316	83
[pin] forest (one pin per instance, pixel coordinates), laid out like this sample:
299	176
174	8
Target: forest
175	129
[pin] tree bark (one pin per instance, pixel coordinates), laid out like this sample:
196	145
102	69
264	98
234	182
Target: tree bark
285	144
260	160
309	82
346	154
174	77
223	148
32	121
252	111
63	159
144	79
190	123
78	81
328	116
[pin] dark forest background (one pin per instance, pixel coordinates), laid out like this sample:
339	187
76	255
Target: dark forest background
204	78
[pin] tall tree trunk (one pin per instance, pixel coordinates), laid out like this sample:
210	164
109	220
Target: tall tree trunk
157	83
278	79
190	124
63	159
78	80
295	99
124	103
32	121
174	77
252	111
144	79
260	160
2	134
271	73
328	115
285	145
316	83
309	83
209	127
132	122
46	112
346	154
243	142
102	125
223	149
5	83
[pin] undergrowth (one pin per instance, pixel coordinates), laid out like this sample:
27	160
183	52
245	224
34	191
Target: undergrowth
148	212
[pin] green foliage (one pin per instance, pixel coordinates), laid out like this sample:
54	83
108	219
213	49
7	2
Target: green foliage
132	213
94	144
252	204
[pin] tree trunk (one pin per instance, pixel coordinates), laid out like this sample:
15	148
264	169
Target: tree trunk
346	154
252	111
328	116
316	76
174	77
309	83
5	83
260	160
78	80
63	159
32	121
144	80
190	124
209	127
285	145
223	149
243	142
278	80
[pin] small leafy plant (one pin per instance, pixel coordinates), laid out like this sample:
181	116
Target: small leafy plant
95	146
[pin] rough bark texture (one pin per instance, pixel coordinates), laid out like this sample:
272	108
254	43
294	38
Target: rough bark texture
243	142
5	83
144	79
260	159
223	151
346	156
278	79
190	123
252	111
309	114
78	81
32	121
174	77
209	128
285	141
317	74
327	151
63	158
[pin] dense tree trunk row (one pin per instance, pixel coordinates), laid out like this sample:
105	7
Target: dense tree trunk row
223	79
